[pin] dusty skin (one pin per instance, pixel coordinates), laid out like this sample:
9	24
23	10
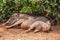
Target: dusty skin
31	21
19	34
40	26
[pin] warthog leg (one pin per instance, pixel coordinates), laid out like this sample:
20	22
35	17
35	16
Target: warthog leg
17	23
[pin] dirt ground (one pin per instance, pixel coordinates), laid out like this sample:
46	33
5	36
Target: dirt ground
19	34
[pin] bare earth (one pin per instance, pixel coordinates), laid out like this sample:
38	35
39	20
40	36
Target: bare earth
19	34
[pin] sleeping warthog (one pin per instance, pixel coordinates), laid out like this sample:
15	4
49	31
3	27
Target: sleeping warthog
40	26
22	18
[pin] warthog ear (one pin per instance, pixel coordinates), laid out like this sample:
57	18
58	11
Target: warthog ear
48	22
